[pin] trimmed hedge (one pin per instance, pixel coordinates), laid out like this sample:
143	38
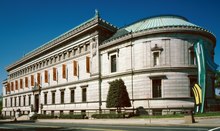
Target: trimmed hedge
4	117
41	116
65	116
108	116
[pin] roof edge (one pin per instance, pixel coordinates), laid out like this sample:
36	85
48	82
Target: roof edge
59	38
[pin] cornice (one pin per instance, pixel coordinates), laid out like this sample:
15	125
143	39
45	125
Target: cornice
179	29
88	25
150	70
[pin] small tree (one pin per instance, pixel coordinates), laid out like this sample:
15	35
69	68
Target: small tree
0	105
117	95
217	79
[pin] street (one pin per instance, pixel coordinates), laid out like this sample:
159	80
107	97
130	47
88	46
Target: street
31	126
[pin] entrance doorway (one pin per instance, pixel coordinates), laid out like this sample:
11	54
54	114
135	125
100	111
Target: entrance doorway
36	102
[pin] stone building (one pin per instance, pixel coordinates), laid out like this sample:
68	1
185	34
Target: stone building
70	74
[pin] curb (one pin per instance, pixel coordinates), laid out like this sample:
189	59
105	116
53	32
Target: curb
127	124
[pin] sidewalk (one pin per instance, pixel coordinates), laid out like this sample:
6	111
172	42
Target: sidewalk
202	122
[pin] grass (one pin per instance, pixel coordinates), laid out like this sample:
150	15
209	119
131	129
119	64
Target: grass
208	114
217	97
159	116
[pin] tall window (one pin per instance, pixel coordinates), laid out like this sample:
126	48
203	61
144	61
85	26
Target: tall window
8	87
62	96
29	100
15	101
75	68
6	103
54	74
45	98
84	93
156	58
156	85
38	79
32	80
193	81
192	58
24	100
21	83
87	64
16	85
64	71
11	102
72	96
46	76
26	81
12	86
53	97
19	101
113	63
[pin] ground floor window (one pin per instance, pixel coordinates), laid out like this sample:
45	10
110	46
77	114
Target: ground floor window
52	113
45	99
71	112
24	100
84	93
156	87
83	112
61	112
157	112
15	101
72	96
62	97
53	97
29	100
19	101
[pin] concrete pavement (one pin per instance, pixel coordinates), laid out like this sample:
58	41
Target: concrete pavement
200	122
206	122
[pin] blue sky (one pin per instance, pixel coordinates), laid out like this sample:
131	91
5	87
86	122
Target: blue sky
27	24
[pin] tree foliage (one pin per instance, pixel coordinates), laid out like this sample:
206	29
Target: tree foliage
217	79
117	95
0	104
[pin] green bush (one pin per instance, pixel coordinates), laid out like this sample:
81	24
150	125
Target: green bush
108	116
4	117
66	116
34	117
117	95
42	116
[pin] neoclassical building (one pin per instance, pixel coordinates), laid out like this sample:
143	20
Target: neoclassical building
71	73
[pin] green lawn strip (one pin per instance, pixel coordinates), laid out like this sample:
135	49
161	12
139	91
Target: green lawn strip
159	116
208	114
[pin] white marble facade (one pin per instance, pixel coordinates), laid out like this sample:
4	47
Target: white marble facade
135	64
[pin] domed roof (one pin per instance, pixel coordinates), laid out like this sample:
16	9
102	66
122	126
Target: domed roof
158	21
162	21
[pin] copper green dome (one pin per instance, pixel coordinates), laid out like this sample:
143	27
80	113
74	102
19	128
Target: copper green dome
156	22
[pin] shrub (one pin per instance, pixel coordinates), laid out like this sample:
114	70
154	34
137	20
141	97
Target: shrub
41	116
4	117
117	95
34	117
108	116
66	116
